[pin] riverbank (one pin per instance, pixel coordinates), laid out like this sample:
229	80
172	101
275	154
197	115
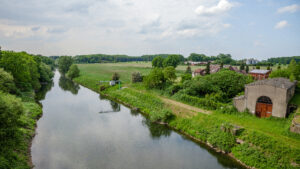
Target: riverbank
17	152
262	143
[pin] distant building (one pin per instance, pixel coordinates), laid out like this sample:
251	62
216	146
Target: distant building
195	63
258	74
266	98
251	61
215	69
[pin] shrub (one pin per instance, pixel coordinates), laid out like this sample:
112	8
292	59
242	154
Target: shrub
136	77
115	76
161	116
157	62
185	77
173	89
73	71
64	63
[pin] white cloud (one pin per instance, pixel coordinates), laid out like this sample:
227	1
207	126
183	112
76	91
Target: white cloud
221	7
281	24
291	9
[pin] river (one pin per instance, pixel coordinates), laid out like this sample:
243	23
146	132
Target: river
81	130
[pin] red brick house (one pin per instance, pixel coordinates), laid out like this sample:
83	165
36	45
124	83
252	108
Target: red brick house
258	74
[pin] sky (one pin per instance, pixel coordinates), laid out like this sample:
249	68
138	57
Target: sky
243	28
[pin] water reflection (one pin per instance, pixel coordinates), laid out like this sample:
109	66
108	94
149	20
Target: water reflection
116	107
156	130
68	85
40	95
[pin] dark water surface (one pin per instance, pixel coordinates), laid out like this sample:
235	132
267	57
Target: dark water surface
80	130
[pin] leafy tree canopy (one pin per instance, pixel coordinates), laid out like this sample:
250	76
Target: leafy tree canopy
64	63
73	71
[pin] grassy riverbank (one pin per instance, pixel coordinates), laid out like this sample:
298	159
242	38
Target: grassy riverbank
16	153
266	143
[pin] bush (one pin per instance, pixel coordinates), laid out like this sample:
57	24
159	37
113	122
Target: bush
173	89
115	76
186	77
161	116
136	77
64	63
11	111
73	71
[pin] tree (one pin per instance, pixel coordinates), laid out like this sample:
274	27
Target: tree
171	60
155	79
257	67
242	66
185	77
207	69
23	67
73	71
268	68
136	77
64	63
157	62
292	68
188	70
115	76
169	73
7	83
222	65
247	69
279	66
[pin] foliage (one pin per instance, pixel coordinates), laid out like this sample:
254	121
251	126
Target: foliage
136	77
158	62
155	79
46	73
7	83
115	76
11	110
207	69
257	67
172	60
185	77
242	67
284	60
188	70
223	140
169	73
162	116
247	69
171	90
225	82
23	67
73	71
279	73
64	63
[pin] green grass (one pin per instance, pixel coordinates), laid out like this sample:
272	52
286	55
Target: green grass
268	139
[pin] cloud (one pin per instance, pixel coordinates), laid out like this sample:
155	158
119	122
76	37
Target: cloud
221	7
290	9
281	24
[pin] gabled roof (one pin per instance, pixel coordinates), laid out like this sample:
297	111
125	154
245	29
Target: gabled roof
275	82
260	71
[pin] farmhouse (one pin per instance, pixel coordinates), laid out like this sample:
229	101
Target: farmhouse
258	74
265	98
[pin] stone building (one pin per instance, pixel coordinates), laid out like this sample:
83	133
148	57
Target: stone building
265	98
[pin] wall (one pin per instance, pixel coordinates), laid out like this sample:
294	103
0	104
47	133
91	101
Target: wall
277	95
239	103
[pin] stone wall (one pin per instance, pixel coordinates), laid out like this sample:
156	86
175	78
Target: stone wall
239	103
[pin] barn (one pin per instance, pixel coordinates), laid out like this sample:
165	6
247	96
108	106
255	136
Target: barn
266	98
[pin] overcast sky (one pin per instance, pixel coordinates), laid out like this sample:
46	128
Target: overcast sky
243	28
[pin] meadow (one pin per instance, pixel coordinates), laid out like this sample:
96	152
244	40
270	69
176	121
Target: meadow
271	136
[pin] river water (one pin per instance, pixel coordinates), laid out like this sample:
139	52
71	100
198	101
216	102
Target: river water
81	130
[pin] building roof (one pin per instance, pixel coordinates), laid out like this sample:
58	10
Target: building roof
258	71
198	70
275	82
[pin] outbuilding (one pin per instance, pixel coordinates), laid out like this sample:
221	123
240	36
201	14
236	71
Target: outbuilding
265	98
258	74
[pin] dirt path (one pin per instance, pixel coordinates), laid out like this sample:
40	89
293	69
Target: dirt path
179	108
183	109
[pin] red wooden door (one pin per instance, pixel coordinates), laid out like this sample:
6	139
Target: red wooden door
263	110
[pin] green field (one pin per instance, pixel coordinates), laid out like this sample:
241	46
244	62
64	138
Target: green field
271	136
